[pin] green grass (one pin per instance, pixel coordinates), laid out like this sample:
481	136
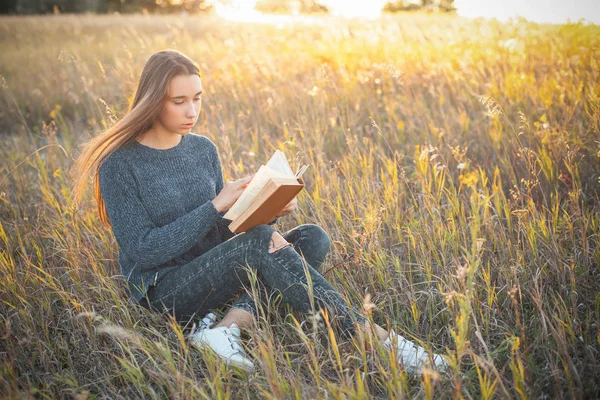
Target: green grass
454	164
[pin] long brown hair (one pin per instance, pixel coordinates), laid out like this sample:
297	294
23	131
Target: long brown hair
148	102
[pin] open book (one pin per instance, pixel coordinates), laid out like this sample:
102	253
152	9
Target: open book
273	186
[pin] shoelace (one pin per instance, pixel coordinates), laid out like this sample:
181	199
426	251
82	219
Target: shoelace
235	344
207	321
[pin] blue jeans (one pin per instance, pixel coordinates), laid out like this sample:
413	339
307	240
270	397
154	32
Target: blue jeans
220	275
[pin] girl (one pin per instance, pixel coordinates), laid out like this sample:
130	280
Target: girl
160	188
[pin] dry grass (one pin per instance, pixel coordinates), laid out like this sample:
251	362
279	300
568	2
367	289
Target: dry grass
454	163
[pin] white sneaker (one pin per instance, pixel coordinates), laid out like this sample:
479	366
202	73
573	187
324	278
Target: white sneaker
207	322
412	356
225	342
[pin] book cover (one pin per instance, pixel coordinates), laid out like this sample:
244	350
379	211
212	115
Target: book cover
272	188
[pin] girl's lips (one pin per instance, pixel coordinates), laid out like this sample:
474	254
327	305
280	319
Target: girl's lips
188	125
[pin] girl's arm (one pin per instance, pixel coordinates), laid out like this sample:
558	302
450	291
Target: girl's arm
137	236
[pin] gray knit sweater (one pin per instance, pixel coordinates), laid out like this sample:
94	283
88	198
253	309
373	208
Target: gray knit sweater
159	205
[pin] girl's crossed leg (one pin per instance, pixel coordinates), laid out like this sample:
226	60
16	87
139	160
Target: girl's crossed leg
219	275
310	241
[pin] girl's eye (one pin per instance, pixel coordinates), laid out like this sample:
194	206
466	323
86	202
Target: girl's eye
181	102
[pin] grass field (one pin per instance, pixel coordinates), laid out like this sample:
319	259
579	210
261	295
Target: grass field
454	163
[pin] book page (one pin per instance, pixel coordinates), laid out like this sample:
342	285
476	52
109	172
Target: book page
301	171
263	174
279	163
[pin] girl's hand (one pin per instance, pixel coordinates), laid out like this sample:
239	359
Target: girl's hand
230	193
291	207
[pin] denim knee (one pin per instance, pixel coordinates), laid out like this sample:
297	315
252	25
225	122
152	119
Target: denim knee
261	233
319	237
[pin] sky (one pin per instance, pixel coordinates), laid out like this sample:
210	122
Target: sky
554	11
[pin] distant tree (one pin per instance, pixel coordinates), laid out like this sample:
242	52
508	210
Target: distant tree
114	5
290	6
194	6
401	5
171	6
46	6
447	5
8	6
432	5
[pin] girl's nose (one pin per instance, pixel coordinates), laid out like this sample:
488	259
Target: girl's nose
192	111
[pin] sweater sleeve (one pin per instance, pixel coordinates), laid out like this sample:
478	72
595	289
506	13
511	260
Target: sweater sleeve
137	236
222	223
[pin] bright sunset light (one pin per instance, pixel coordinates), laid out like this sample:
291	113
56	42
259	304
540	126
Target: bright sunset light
551	11
244	10
350	8
237	10
542	11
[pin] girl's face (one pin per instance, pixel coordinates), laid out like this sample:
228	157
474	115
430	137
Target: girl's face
182	104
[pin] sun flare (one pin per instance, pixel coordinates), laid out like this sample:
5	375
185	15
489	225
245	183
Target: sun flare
245	10
353	8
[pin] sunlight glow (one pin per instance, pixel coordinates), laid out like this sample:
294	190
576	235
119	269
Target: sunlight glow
244	11
551	11
238	10
355	8
541	11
